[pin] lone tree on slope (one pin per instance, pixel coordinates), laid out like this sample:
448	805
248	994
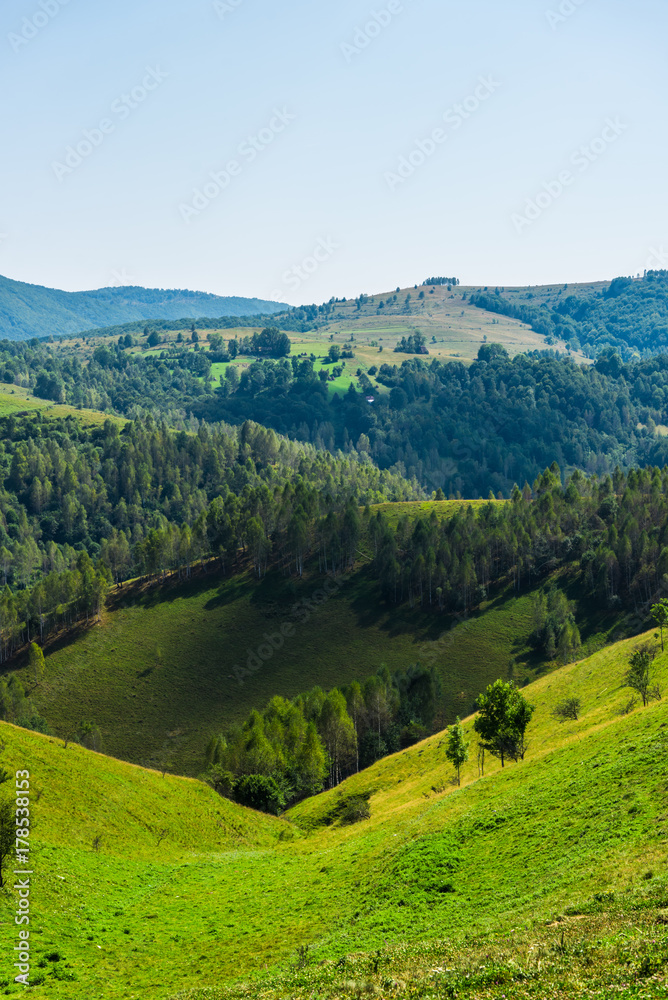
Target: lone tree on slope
501	724
36	662
660	616
639	675
457	748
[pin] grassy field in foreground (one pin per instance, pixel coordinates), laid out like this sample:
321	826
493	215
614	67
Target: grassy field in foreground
545	879
157	674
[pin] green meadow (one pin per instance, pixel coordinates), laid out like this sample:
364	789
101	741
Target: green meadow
157	674
546	878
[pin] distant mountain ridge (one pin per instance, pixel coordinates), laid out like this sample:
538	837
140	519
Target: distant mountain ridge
36	311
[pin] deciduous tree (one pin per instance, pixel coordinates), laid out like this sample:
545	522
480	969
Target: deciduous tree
502	720
457	747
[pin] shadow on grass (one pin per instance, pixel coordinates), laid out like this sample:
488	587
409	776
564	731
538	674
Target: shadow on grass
228	589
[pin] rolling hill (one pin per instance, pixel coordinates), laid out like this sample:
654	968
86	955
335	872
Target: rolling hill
35	311
543	879
157	674
454	328
628	315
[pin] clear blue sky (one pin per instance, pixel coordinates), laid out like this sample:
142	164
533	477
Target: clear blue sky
324	172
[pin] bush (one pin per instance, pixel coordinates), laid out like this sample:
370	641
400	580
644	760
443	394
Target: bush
355	810
220	780
349	809
259	792
35	722
568	709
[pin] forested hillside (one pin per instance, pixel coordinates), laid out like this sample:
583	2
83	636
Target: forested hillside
35	311
460	428
629	314
605	540
84	507
469	429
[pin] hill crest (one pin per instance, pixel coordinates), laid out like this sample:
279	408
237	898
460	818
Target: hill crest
28	310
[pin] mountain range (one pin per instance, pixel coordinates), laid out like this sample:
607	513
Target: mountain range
36	311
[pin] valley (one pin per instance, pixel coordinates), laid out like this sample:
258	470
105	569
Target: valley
563	850
255	573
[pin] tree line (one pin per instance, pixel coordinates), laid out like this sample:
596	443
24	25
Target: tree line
612	532
463	429
84	507
630	315
467	429
296	748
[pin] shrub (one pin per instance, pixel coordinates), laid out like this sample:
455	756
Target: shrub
350	809
568	709
259	792
355	810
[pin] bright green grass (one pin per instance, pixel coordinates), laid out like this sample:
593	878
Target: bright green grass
453	328
16	399
424	508
157	674
579	827
115	914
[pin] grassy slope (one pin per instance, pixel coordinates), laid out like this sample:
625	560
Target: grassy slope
423	508
577	830
458	328
157	674
583	816
16	399
85	902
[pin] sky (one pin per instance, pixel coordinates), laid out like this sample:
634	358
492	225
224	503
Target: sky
299	151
